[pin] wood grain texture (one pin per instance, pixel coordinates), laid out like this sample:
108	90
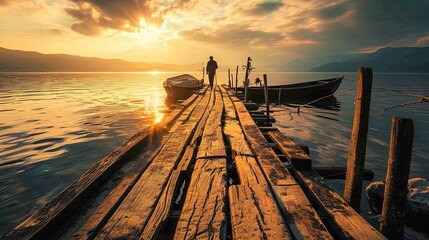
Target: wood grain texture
134	212
280	180
232	129
204	213
212	144
342	219
392	219
357	150
162	211
293	153
160	215
254	213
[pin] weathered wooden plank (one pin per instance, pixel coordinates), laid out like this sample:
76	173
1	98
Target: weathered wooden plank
212	144
43	220
254	213
342	219
232	129
200	128
134	212
184	116
104	211
187	158
293	153
273	168
179	110
107	207
299	218
162	210
346	222
204	213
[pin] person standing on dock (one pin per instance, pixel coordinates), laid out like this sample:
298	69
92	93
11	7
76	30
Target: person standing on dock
211	70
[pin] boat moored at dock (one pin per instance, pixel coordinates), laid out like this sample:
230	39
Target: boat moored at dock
182	86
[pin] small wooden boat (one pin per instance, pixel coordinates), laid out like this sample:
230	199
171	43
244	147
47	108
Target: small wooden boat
181	87
297	91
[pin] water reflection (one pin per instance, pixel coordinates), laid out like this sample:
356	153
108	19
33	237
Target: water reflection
54	126
326	108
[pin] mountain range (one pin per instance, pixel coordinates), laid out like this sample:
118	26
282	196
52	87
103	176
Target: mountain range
25	61
404	59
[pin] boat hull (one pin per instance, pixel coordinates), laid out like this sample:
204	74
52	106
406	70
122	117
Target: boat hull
180	93
181	87
295	92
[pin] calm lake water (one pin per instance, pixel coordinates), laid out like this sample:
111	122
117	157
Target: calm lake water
53	126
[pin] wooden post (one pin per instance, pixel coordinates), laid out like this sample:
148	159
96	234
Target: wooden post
267	100
229	79
246	79
204	73
236	80
232	81
395	193
356	158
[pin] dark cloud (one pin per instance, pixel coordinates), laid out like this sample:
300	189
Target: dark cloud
264	8
332	12
4	3
94	16
236	35
354	25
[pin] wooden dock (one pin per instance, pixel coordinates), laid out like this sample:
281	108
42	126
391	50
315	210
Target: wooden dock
207	171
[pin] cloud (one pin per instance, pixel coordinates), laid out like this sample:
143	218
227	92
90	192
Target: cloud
324	27
5	3
96	16
353	26
56	31
422	42
235	35
333	11
264	8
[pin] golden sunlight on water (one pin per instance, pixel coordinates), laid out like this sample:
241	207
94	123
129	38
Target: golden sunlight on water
53	126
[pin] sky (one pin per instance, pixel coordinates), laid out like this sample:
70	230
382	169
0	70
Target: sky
188	31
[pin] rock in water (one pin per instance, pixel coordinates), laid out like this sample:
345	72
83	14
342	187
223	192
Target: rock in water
374	194
418	203
417	209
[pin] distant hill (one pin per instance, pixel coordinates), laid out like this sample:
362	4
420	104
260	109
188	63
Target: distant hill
404	59
25	61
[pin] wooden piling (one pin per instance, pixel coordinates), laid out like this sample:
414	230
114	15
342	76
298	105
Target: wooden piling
267	100
246	80
232	81
395	193
229	78
356	157
236	79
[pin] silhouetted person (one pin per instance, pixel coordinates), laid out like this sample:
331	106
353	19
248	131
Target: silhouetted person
211	70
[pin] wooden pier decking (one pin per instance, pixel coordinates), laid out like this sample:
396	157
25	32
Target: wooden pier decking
205	172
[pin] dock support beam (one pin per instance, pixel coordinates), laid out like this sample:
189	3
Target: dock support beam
356	157
246	80
267	100
395	193
236	79
229	78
